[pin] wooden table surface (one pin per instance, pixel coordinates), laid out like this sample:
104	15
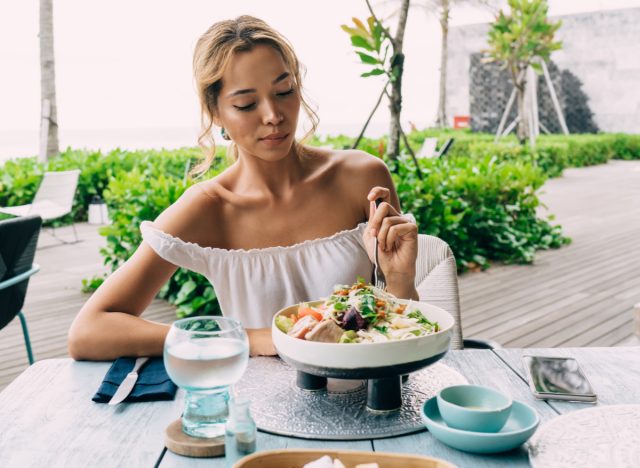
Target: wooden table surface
48	418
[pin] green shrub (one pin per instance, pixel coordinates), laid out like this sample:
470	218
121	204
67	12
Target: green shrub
483	208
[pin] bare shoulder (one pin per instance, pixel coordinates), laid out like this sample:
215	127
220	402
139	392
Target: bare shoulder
353	173
362	171
192	216
350	164
364	167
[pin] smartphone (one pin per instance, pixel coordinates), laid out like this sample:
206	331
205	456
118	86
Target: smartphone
558	378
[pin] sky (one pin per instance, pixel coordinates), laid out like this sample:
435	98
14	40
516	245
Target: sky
127	64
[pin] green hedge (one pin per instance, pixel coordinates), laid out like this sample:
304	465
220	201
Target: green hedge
20	178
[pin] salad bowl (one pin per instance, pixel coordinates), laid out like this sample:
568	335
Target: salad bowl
365	360
393	337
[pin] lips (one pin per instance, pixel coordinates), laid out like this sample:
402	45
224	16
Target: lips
275	137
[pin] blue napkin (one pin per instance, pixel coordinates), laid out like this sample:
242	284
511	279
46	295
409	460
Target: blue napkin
153	382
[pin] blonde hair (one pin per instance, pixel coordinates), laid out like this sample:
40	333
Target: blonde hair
213	52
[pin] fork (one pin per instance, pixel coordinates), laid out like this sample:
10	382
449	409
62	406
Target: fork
378	275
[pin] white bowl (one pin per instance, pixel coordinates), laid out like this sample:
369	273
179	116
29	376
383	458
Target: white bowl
365	360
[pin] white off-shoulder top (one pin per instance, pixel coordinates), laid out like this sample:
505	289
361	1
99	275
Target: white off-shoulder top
252	285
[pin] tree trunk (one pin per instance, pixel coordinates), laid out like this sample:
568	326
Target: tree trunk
523	122
441	119
48	78
395	103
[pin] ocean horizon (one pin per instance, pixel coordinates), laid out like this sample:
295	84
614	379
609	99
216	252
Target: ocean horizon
26	143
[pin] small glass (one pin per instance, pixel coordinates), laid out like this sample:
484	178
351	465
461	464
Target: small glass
240	435
204	356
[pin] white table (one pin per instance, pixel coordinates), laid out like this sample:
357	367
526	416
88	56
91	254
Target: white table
48	418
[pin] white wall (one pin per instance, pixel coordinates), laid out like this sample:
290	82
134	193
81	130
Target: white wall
601	48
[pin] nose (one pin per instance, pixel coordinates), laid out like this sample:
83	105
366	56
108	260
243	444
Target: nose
271	114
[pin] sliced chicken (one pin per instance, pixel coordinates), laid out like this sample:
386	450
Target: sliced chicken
326	331
302	327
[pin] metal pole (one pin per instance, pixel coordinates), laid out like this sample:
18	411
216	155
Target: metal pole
544	128
511	126
554	98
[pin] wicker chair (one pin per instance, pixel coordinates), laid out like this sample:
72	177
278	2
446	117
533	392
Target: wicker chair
437	284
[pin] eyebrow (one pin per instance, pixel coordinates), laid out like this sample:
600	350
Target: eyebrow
252	90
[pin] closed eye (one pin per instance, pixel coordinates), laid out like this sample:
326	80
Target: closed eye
246	108
251	106
286	93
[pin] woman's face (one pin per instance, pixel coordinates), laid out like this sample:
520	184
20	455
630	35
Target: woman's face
258	104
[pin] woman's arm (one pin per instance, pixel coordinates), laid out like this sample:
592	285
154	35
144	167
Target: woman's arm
109	324
397	236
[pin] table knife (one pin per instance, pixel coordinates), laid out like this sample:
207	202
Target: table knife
128	383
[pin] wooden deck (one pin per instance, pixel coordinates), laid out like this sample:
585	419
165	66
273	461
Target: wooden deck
581	295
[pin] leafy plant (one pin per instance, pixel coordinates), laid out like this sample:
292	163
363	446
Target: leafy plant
372	41
519	40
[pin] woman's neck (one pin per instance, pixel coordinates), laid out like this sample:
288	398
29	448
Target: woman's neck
272	179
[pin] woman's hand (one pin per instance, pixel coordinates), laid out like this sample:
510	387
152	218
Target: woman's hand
397	244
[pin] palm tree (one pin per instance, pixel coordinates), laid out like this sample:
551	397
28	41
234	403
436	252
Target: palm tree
49	119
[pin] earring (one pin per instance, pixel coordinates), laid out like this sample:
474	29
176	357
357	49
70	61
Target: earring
225	135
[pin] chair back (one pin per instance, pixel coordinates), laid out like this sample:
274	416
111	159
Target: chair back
437	280
56	192
18	239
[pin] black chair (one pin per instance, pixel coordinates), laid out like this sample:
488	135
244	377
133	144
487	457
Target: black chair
18	239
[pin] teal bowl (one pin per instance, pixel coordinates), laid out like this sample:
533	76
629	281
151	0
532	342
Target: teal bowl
474	408
522	423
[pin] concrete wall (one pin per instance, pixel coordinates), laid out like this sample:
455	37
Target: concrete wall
601	48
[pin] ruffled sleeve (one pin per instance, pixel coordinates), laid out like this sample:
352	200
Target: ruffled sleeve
175	250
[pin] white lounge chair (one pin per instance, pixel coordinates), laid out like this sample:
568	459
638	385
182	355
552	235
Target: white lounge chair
428	149
53	199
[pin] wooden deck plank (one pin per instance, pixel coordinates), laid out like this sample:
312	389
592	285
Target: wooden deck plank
533	306
569	261
525	300
550	325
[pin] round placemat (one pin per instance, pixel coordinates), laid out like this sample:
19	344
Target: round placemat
339	412
594	437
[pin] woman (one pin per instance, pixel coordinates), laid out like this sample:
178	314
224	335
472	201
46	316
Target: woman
283	224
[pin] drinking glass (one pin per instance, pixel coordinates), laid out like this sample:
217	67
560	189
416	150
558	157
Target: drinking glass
204	356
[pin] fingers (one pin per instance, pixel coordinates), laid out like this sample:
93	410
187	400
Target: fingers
392	230
378	214
401	232
379	192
